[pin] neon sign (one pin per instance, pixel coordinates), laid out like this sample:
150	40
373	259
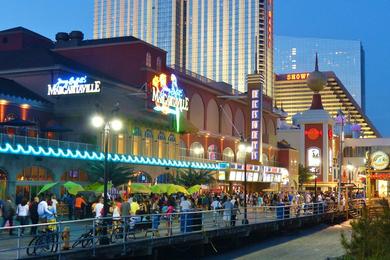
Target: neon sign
255	123
73	86
168	98
297	76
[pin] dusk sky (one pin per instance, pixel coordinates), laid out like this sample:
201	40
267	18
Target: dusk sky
338	19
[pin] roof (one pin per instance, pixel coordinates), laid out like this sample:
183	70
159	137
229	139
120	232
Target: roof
11	88
25	30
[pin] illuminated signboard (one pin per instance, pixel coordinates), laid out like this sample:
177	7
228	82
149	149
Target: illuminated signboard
255	123
72	86
313	157
270	24
379	160
297	76
313	133
168	98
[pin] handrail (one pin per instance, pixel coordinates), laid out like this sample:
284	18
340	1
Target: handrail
87	234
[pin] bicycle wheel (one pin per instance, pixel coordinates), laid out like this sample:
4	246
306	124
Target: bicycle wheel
117	234
54	242
30	250
42	245
87	240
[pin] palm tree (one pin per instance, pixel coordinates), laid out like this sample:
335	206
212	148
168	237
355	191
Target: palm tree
188	178
304	175
118	174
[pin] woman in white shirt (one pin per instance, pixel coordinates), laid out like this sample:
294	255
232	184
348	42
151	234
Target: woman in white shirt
22	213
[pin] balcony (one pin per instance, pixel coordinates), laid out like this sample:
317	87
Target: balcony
26	141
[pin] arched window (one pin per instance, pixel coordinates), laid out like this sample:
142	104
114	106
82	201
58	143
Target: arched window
171	146
148	60
212	152
158	64
165	178
228	154
239	122
161	145
226	120
143	177
120	144
74	175
148	143
196	150
136	141
240	156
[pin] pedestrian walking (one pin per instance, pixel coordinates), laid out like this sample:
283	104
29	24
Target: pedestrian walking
8	214
22	212
34	216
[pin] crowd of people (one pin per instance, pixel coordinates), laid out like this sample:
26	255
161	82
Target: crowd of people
44	209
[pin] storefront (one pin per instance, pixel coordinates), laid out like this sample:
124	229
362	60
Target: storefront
258	178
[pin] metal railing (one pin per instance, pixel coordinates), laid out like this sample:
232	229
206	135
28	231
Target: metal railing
89	234
25	141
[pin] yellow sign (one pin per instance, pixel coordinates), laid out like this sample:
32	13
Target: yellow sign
297	76
379	160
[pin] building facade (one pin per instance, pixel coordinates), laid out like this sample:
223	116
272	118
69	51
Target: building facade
294	96
216	39
50	90
344	57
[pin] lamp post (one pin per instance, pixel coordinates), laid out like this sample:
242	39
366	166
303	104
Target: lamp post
340	117
246	148
115	124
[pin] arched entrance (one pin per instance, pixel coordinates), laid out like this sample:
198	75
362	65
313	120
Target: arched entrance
3	184
30	180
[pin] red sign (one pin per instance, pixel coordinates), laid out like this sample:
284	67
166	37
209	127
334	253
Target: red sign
313	133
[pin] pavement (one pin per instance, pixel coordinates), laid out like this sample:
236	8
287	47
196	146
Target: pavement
317	243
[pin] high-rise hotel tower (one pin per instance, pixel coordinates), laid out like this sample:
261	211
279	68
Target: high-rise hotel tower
223	40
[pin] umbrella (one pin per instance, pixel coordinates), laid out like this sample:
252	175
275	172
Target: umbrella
47	187
100	188
176	189
193	189
17	122
73	188
56	129
139	188
160	188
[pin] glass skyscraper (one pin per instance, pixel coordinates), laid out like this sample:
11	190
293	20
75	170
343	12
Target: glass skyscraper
223	40
344	57
158	22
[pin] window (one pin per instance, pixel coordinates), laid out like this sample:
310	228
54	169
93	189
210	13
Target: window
171	146
74	175
136	141
158	64
148	143
228	154
212	152
148	60
34	173
161	145
196	150
120	144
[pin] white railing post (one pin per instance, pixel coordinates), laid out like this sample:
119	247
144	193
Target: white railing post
93	237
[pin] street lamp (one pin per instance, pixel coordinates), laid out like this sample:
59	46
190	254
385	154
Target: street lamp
114	124
340	121
245	148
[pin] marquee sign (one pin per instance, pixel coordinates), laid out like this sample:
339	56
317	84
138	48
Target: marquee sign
168	98
73	85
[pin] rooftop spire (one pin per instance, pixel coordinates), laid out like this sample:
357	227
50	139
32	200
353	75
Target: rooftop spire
316	67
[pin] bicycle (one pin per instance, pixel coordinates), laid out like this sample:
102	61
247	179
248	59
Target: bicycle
45	241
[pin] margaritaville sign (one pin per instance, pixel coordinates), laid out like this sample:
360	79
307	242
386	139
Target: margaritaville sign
168	98
73	85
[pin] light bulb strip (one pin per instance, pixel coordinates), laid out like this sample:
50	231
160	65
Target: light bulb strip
18	149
